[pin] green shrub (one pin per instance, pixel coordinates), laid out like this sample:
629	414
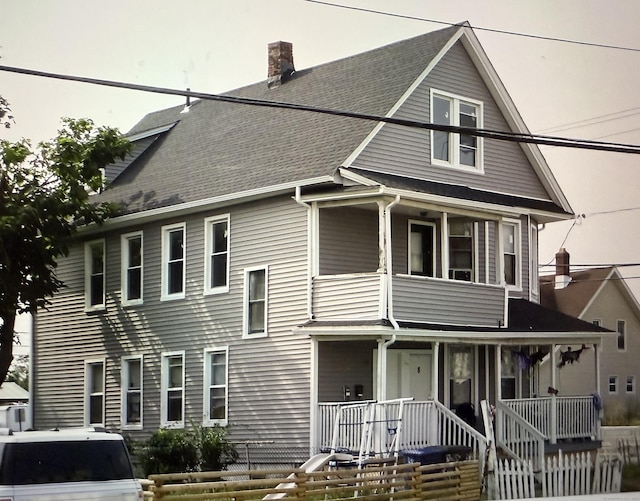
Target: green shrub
186	450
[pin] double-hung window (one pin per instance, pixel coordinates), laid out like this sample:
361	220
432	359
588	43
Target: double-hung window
622	335
94	392
94	265
631	384
132	276
422	245
450	148
511	254
613	384
216	362
131	375
255	301
216	264
173	261
461	250
172	398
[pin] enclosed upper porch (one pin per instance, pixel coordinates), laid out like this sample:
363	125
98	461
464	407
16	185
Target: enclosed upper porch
375	257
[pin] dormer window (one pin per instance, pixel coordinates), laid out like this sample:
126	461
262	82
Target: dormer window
452	149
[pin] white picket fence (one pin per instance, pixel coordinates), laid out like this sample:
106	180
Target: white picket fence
561	475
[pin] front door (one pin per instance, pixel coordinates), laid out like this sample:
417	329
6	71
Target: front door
408	374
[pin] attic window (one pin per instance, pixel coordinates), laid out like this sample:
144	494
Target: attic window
451	149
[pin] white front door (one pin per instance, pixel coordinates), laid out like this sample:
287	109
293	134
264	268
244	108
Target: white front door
408	374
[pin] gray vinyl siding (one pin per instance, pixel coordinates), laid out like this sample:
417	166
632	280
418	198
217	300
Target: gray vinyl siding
406	151
348	240
268	377
450	302
341	364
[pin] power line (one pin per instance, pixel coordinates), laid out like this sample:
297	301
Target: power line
486	133
599	265
609	117
478	28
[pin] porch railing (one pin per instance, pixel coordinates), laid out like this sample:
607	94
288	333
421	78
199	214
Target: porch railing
558	418
363	296
426	423
517	437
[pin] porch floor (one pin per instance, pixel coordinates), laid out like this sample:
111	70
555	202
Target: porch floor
573	445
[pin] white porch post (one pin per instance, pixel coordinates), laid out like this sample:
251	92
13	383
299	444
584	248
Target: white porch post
381	386
553	418
498	372
596	357
435	369
314	439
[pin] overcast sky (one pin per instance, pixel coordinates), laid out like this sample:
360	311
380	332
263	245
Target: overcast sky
568	89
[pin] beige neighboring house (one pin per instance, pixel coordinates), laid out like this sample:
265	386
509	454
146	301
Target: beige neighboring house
600	296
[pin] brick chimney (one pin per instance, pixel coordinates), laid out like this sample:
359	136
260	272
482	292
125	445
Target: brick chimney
280	62
563	273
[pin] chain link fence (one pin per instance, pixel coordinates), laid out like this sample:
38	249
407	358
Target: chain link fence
257	455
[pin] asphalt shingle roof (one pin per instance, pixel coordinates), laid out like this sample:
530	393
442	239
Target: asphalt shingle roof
574	298
220	148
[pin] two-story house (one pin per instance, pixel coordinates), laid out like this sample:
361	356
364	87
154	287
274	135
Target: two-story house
270	263
602	296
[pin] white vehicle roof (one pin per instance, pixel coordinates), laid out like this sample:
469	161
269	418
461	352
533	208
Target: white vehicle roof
67	435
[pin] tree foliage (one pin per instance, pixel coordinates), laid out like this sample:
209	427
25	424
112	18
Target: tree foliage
44	200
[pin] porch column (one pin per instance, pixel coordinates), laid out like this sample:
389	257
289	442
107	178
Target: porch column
596	357
435	369
553	418
381	385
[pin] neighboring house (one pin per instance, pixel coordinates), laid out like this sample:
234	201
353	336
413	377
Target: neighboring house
11	392
270	263
600	296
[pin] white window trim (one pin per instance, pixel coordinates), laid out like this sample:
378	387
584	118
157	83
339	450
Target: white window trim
208	224
454	143
417	222
446	264
166	230
617	384
518	250
88	261
208	352
164	401
245	323
624	335
633	385
124	276
474	373
87	395
124	377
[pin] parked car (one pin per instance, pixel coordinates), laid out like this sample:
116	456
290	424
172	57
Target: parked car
66	464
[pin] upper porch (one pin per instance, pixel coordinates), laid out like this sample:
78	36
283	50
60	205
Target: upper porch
374	257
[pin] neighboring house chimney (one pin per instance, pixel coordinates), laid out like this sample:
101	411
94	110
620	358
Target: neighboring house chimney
280	63
563	274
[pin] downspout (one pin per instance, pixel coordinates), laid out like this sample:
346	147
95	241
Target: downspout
387	270
313	380
310	240
389	264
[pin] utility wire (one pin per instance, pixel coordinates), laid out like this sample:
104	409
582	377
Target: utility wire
609	117
478	28
487	133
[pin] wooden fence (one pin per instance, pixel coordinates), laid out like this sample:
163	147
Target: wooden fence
630	450
411	482
561	475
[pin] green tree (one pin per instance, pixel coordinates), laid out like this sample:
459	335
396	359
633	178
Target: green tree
44	200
